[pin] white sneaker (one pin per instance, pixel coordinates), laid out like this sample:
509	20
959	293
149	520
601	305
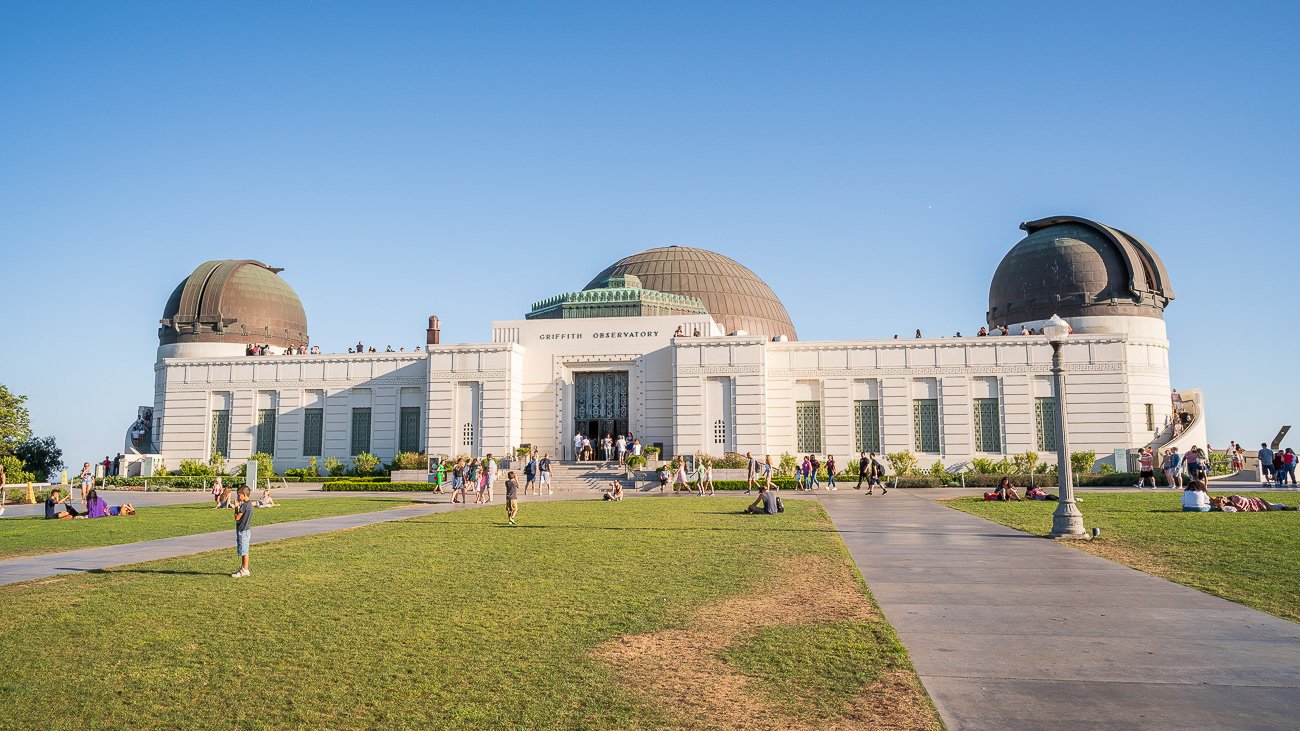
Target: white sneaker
240	574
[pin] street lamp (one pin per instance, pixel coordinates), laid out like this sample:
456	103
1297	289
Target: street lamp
1067	521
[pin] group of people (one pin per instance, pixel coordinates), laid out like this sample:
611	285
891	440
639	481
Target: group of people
480	477
226	497
58	506
255	349
1197	499
996	330
680	333
611	447
1005	491
699	477
1276	466
1195	463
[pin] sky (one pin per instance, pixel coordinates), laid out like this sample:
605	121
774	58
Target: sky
871	161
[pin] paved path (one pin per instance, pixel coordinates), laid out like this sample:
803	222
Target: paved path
1010	631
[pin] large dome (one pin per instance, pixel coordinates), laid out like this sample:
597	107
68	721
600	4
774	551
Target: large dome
234	301
1074	267
732	294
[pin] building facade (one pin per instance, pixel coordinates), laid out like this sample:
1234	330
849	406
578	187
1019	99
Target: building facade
657	345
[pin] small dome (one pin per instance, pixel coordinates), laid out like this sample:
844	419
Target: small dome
731	293
234	301
1074	267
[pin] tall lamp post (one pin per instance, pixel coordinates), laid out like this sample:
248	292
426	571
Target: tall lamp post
1067	521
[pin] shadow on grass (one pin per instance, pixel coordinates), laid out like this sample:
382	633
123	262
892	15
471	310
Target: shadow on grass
155	571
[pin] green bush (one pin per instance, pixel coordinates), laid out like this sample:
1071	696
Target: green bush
1106	469
731	461
355	486
785	468
218	463
364	464
14	472
411	461
650	452
1081	462
938	470
635	462
194	468
335	466
265	466
174	482
1024	464
904	463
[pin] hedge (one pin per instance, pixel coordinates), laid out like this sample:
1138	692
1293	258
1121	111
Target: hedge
340	486
175	482
788	483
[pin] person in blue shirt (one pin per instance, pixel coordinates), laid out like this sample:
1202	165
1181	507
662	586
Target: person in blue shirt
1172	465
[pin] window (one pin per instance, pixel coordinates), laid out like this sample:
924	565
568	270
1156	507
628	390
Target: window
1045	420
467	435
1151	417
988	428
266	431
925	425
313	431
220	443
408	437
719	431
866	424
360	430
808	422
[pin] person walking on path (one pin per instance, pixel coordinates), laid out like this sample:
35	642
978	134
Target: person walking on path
620	447
876	475
577	447
1146	467
810	475
530	475
458	482
708	478
830	472
87	482
751	470
679	479
243	531
767	472
491	476
863	464
512	498
545	468
1172	467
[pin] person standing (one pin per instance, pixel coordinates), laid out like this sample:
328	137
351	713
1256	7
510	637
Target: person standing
1172	467
1265	463
863	463
751	471
1288	466
87	482
810	477
607	448
490	476
577	447
620	448
708	478
587	454
471	480
530	474
679	478
545	468
1146	467
636	447
512	498
243	531
876	475
767	472
830	472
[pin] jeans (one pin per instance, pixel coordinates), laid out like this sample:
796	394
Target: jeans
242	539
830	479
1290	471
1197	509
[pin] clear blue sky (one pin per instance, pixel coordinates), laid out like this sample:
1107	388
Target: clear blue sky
465	159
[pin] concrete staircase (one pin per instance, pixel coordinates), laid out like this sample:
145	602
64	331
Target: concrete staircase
591	476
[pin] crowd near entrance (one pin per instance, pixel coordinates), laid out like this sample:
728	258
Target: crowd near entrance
600	405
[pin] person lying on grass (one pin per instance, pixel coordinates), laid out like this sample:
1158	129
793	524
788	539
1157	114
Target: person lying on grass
267	501
97	507
767	503
1243	504
615	491
1038	493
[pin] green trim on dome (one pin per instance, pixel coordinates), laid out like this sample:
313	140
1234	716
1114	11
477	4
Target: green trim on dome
615	301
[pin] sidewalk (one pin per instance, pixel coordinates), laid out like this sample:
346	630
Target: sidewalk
1011	631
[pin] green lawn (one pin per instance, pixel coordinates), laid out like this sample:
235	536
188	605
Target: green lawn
1248	558
32	535
458	621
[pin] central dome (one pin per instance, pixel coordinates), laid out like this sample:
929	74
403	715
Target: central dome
732	294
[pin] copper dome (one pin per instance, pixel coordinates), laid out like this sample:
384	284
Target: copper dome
1074	267
234	301
732	294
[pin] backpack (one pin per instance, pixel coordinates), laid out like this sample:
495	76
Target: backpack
780	506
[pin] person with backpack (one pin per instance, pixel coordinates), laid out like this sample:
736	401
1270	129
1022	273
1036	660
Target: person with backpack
767	503
530	474
875	475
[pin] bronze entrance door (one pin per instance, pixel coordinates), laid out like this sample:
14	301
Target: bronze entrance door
600	406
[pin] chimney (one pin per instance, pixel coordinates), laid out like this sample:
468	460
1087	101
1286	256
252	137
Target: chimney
431	335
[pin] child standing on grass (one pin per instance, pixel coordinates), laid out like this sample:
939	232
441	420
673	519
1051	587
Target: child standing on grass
243	530
512	497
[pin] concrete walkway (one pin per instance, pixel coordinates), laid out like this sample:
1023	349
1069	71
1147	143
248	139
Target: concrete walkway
1010	631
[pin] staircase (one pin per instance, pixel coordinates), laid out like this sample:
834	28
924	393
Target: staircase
592	476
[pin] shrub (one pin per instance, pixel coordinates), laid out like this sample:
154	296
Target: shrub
1024	463
982	465
1106	469
938	470
636	462
334	466
172	482
218	463
312	469
411	461
354	485
364	464
1081	462
650	452
265	466
523	452
194	468
729	461
15	472
904	463
787	465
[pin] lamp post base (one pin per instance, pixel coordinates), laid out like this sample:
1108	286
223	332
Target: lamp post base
1070	537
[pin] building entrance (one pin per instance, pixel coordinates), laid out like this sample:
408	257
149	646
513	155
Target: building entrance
600	407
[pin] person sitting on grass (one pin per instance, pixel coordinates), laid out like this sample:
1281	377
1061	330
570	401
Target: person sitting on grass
267	501
1005	491
227	499
615	491
767	503
1038	493
53	502
1195	498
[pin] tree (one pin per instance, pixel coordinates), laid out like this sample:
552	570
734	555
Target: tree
15	422
41	456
